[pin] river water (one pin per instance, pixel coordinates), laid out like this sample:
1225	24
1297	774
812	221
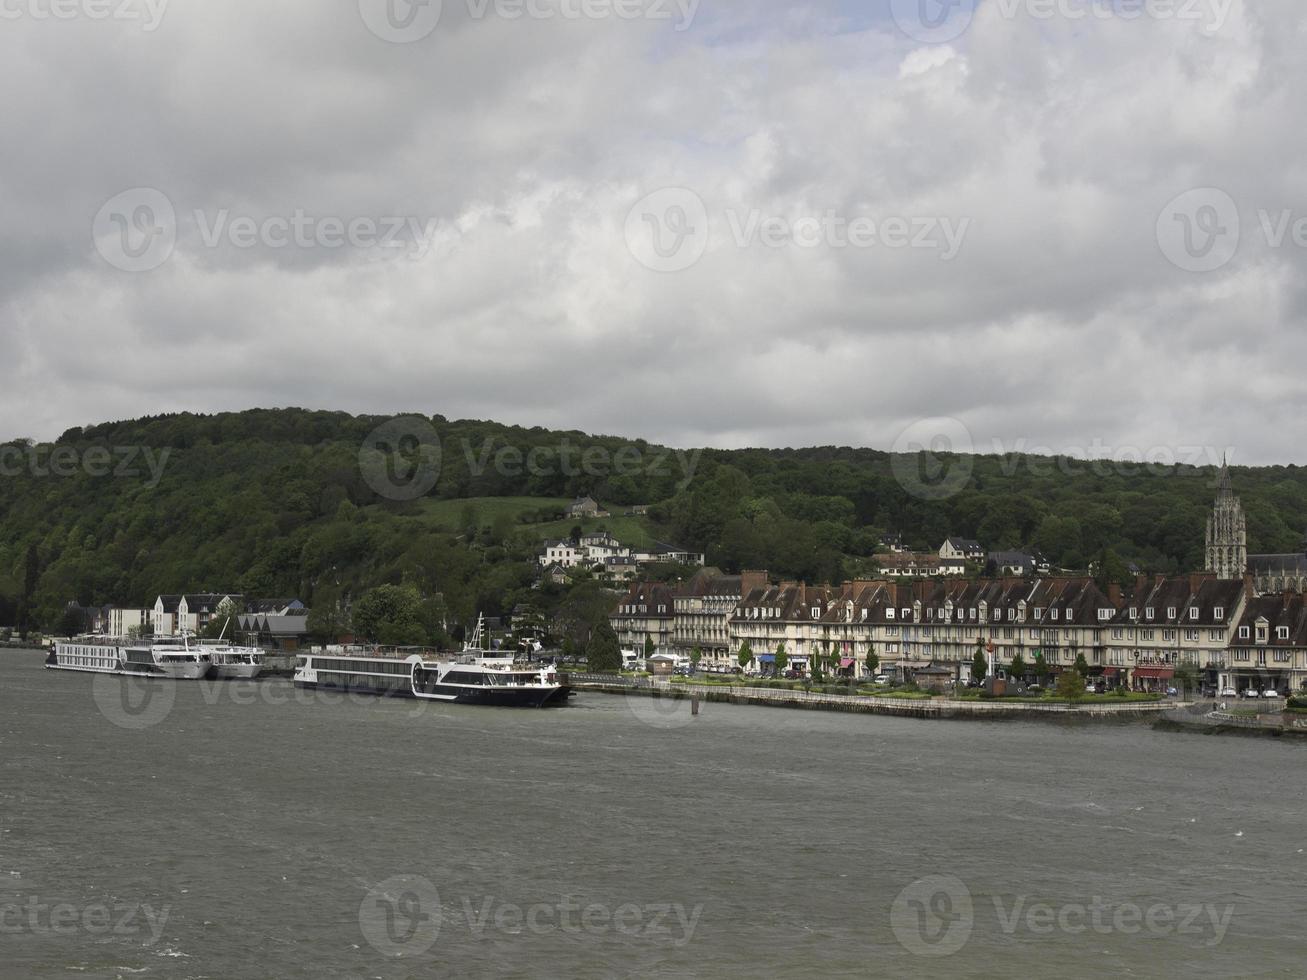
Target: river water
204	830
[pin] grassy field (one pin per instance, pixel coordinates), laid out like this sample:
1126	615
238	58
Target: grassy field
635	532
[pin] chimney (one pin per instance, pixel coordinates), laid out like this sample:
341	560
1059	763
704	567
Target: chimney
1114	594
751	579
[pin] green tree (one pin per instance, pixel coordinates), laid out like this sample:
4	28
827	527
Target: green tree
979	664
603	653
872	660
1017	669
328	620
389	614
745	657
696	655
782	659
1186	679
1042	669
72	622
1082	666
1070	686
649	648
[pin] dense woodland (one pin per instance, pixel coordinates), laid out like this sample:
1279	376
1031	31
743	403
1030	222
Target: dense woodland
275	502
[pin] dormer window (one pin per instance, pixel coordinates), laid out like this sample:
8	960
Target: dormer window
1243	632
1104	615
889	612
1170	612
1193	612
1219	613
1148	613
1134	613
1053	615
1039	614
816	612
1282	632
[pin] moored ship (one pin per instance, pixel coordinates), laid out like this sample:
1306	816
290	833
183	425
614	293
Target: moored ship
235	663
469	679
174	659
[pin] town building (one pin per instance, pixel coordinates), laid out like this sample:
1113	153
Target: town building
909	565
966	549
586	507
647	611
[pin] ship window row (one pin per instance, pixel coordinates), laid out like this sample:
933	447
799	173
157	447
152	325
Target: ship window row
363	666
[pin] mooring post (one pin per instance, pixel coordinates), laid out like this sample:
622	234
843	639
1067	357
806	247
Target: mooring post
694	705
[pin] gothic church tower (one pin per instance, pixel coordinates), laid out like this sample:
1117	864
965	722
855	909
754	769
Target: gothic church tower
1227	538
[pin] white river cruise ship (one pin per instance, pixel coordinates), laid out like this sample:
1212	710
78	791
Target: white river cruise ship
172	658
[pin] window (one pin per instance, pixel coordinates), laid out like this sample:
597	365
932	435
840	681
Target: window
1219	612
1134	613
1191	636
1053	615
1039	613
1118	633
1104	615
1243	632
1168	636
889	613
1282	632
1170	612
1148	612
1193	612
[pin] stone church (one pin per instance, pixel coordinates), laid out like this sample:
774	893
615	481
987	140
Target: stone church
1227	548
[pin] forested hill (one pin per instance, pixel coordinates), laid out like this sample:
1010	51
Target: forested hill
294	502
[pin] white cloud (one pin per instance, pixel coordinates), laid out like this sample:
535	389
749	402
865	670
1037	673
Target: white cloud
1058	141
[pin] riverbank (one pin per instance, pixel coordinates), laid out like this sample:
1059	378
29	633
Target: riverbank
1230	723
935	707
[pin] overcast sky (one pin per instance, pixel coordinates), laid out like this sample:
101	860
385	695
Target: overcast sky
741	223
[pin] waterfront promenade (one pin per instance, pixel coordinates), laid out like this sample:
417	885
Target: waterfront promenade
935	707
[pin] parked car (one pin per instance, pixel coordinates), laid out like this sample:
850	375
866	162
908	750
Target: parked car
1228	692
1270	693
880	679
1034	688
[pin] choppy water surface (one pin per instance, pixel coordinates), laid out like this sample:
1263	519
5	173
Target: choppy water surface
248	830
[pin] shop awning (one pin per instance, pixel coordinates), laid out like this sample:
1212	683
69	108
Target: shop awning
846	661
767	658
1160	673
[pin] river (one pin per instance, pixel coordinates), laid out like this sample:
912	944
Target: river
206	830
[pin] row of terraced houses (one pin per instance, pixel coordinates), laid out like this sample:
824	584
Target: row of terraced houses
1134	637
